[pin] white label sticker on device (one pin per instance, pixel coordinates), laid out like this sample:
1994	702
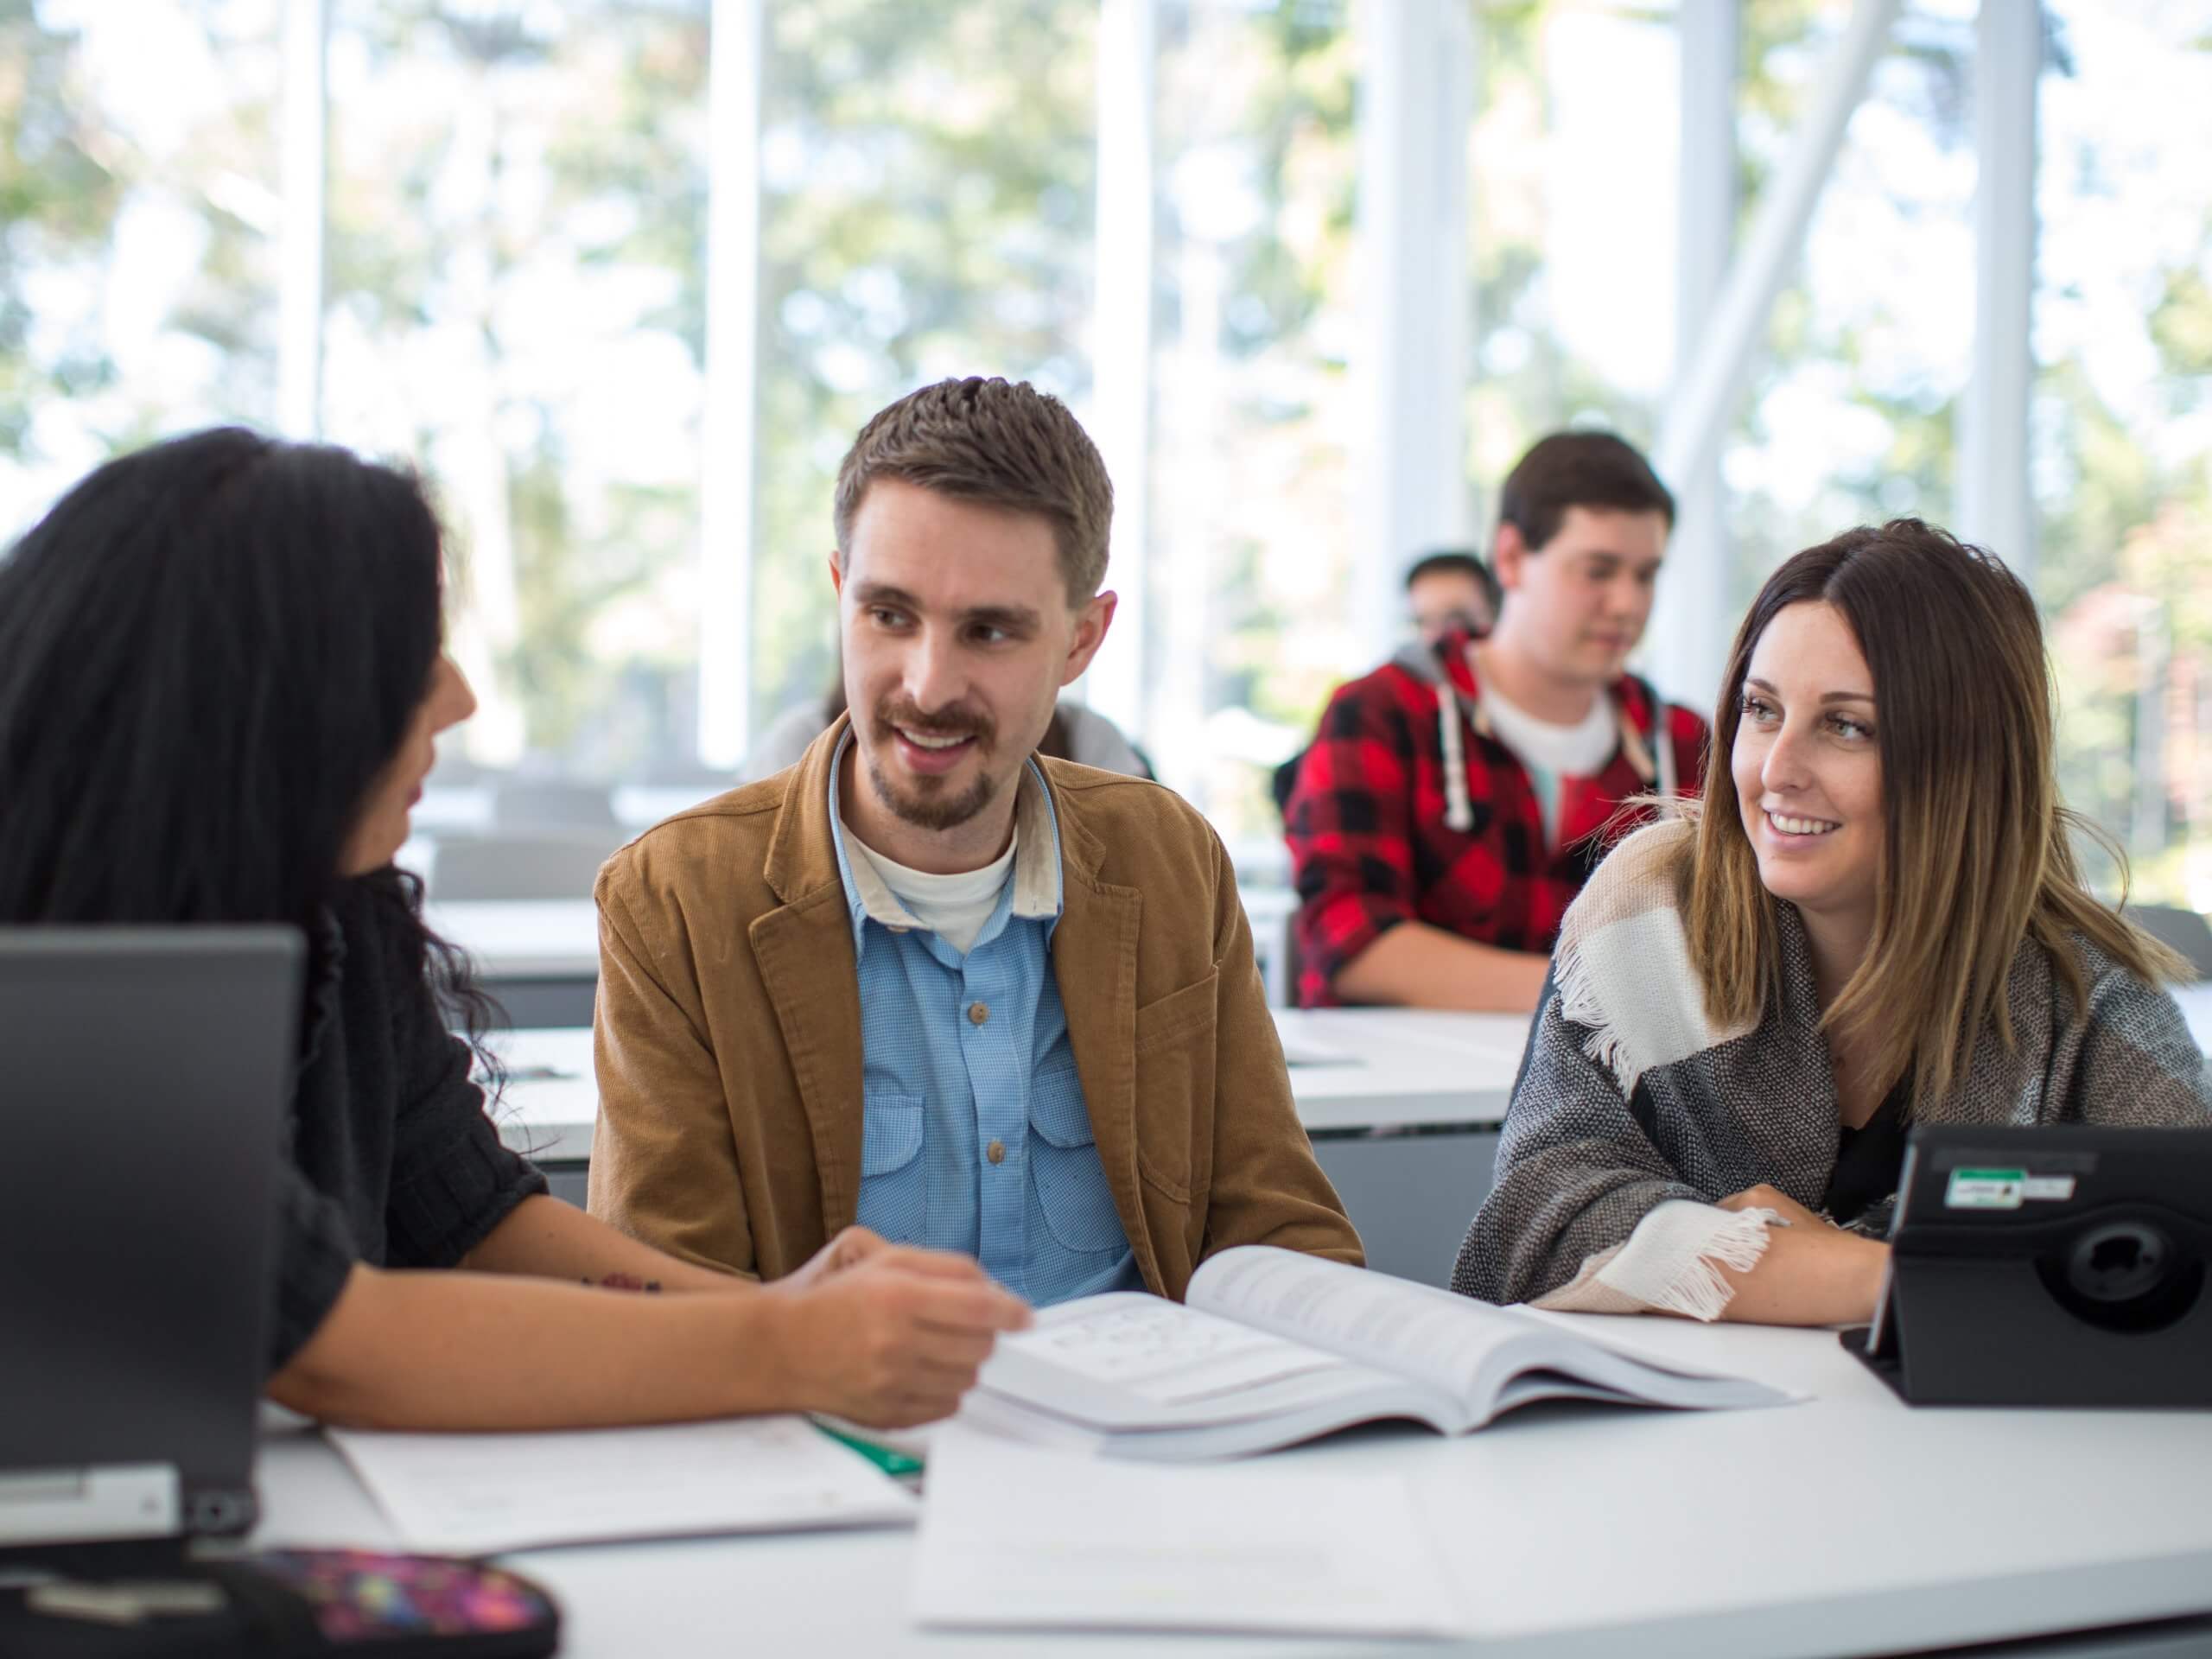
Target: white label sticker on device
1985	1189
2047	1186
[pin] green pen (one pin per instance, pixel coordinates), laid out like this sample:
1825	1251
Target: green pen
897	1464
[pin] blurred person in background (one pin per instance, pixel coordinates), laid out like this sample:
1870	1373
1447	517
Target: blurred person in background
1450	590
1446	813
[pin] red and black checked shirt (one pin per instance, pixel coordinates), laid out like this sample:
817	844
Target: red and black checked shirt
1371	848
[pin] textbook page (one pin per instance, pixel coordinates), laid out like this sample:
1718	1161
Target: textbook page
481	1494
1013	1537
1129	1360
1468	1350
1427	1335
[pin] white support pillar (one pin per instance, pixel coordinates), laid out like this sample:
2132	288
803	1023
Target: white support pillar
1690	624
1121	344
737	41
1416	101
1706	393
1994	505
306	150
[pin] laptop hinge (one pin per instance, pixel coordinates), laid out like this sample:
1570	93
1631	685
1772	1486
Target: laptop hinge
68	1506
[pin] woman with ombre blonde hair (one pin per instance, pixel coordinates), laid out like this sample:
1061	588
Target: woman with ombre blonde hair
1874	916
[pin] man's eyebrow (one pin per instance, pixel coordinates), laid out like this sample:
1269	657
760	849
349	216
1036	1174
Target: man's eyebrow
1825	696
1012	617
882	593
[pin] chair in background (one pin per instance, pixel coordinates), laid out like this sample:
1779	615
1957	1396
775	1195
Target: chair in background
540	864
2182	931
545	804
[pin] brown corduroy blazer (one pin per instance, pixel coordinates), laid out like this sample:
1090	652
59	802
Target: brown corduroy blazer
728	1033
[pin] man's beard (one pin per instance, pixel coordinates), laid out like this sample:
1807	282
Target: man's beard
932	809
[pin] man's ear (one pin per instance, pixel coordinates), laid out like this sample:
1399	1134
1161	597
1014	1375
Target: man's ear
1090	624
837	572
1507	556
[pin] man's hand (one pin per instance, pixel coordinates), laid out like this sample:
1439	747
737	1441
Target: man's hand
848	1249
886	1335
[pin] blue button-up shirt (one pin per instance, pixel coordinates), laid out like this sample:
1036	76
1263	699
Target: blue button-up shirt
966	1057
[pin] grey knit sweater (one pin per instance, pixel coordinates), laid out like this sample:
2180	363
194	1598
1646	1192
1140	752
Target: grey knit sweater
1628	1097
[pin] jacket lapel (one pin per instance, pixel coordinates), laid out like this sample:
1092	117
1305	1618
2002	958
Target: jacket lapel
804	950
1095	963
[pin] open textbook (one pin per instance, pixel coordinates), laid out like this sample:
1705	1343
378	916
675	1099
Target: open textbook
1271	1347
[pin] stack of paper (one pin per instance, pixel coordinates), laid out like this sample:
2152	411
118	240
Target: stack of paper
1018	1537
480	1494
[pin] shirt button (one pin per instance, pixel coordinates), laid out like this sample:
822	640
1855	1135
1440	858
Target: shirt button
996	1151
977	1013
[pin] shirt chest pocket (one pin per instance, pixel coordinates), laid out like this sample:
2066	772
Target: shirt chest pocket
894	1184
1067	1182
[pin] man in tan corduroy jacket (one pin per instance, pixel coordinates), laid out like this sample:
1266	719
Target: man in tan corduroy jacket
786	1040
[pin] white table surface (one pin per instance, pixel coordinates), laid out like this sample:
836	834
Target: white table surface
523	938
1387	1067
558	938
2196	1007
1847	1524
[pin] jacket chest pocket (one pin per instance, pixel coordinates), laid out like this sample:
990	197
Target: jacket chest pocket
1175	1059
894	1184
1067	1182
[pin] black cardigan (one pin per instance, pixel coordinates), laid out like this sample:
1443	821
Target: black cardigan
390	1158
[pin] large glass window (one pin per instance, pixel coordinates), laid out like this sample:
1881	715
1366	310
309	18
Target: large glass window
138	214
515	296
926	182
1250	535
517	199
2121	426
1574	182
1851	400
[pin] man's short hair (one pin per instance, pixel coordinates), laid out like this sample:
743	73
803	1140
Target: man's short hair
1455	562
1002	443
1579	469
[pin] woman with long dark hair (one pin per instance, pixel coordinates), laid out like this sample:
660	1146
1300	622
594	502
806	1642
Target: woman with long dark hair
221	672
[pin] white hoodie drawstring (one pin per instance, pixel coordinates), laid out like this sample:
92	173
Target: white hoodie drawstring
1458	815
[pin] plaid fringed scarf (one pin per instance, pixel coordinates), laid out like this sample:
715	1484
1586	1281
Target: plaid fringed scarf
1634	1114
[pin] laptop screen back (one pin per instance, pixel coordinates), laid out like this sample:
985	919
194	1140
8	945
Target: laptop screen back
144	1076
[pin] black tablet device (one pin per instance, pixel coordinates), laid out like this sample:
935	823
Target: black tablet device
2049	1267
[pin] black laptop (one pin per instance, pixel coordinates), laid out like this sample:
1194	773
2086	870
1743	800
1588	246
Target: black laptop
2049	1267
144	1074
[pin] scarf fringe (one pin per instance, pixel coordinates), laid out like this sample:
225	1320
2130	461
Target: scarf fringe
1578	1000
1700	1293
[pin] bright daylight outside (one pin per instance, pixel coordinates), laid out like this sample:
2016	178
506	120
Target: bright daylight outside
556	262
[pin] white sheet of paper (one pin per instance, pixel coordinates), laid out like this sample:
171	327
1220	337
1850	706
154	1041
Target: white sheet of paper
1016	1537
477	1494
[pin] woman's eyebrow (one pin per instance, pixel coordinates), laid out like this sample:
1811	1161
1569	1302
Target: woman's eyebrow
1754	682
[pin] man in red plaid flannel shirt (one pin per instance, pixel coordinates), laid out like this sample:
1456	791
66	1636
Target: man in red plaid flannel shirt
1450	806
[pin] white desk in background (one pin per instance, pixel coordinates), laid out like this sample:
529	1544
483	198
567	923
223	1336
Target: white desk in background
1848	1524
523	938
468	809
2196	1007
556	941
1402	1108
